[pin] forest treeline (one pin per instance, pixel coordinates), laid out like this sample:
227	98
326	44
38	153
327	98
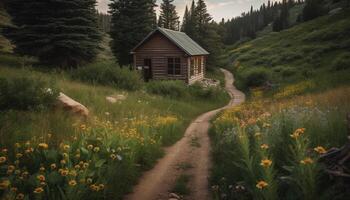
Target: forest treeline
67	33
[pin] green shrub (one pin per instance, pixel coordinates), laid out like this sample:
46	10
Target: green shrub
342	62
174	89
110	74
255	77
26	94
288	72
205	93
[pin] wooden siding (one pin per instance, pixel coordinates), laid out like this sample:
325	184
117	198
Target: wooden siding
198	75
158	48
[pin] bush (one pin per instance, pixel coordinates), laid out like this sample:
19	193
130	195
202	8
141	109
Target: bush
205	93
174	89
288	72
255	77
342	62
26	94
109	74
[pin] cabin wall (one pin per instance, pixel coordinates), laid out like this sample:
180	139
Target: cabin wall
199	68
158	48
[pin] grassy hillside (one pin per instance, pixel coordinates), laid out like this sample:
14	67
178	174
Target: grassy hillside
317	51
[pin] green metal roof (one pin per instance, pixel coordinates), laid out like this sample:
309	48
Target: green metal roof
181	40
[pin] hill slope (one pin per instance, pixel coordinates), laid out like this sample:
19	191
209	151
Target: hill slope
317	50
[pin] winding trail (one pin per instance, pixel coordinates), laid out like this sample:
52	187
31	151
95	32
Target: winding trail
193	151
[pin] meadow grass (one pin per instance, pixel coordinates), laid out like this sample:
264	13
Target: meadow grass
49	153
269	148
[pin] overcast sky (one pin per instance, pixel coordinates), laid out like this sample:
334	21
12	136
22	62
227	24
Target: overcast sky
217	8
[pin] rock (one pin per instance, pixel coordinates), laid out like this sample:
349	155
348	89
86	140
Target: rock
71	105
111	99
116	98
335	11
174	196
207	83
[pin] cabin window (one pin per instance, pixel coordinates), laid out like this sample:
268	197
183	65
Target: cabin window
200	65
174	66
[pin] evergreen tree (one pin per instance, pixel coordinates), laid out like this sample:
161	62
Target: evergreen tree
312	9
202	20
192	26
168	15
131	21
185	21
4	23
58	32
281	22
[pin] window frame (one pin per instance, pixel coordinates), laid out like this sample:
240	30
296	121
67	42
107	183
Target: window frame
174	66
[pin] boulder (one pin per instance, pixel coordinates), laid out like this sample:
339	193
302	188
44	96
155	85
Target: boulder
116	98
71	105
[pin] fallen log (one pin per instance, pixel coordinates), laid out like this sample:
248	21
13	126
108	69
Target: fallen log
337	160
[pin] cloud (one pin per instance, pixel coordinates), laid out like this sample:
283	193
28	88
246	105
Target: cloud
217	8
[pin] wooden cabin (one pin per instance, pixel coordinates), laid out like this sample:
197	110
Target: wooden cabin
170	55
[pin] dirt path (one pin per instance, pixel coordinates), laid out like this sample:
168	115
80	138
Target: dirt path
190	156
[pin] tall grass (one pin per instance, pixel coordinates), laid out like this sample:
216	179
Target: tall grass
269	149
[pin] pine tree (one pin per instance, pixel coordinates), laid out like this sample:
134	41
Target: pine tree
5	22
59	32
312	9
185	21
168	15
192	25
131	21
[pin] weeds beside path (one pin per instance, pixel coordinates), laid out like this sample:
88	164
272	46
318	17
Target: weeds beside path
158	183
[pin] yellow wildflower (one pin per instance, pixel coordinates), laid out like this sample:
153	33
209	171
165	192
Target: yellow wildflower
20	196
94	188
43	146
4	151
4	184
96	149
72	183
63	162
64	172
90	146
11	167
101	186
113	156
41	178
306	161
89	180
3	159
297	133
38	190
66	147
266	163
261	185
320	150
53	166
42	169
83	127
264	146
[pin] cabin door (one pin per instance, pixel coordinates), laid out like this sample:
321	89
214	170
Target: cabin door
147	69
